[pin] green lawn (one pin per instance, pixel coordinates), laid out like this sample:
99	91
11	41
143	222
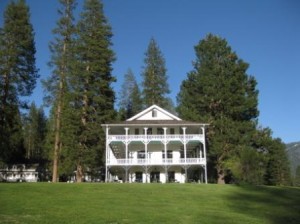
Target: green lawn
147	203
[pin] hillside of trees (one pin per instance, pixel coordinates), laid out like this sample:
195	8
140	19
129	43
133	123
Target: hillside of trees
293	151
217	90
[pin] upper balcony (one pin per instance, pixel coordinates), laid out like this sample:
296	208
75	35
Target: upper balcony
148	138
155	162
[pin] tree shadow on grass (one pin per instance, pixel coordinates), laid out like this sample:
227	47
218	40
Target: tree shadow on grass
274	205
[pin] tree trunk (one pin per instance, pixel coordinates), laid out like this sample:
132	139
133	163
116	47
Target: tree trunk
4	98
79	173
221	175
56	143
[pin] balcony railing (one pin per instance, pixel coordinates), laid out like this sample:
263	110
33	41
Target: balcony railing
140	162
198	137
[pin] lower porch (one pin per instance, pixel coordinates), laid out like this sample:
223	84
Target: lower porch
156	174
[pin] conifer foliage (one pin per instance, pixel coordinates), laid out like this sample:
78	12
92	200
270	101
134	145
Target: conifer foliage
34	134
82	95
57	84
155	85
220	92
130	102
297	177
91	95
18	74
278	167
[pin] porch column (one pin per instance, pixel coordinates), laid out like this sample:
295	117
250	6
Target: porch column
146	153
126	155
204	151
126	144
165	143
184	142
146	143
106	153
166	157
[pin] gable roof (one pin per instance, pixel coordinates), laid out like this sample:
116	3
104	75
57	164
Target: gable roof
160	114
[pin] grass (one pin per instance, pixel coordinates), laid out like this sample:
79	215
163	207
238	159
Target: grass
147	203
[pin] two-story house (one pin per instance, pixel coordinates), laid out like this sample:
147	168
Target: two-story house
155	146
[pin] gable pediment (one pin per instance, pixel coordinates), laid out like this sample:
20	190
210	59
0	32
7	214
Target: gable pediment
154	113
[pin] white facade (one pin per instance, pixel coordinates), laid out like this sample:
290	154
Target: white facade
155	146
19	173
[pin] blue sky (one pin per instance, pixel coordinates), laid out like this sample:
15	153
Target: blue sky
264	33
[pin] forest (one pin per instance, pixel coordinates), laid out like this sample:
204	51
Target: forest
217	90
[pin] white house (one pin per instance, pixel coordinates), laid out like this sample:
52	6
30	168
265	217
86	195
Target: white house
20	173
155	146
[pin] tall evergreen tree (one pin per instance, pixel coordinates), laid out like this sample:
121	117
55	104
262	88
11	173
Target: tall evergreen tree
91	95
278	168
220	92
34	134
18	73
56	85
155	85
130	97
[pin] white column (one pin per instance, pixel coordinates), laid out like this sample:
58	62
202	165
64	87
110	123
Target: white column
166	157
204	151
165	143
146	153
184	142
126	155
126	144
146	143
106	153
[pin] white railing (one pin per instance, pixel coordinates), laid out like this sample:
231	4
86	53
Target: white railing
198	137
133	162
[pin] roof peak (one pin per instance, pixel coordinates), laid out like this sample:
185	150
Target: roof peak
154	112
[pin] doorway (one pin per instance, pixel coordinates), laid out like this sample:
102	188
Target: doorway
154	177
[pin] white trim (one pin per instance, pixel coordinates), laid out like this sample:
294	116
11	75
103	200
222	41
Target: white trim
151	108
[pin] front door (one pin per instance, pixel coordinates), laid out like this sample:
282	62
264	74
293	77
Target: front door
171	176
139	177
154	177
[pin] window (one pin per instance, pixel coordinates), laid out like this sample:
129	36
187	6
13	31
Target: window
154	113
149	131
169	154
136	131
130	155
181	153
141	155
160	131
172	131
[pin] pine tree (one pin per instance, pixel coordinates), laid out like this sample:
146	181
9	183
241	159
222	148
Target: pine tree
247	165
155	86
297	177
56	85
130	97
34	134
219	91
91	95
278	168
18	74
